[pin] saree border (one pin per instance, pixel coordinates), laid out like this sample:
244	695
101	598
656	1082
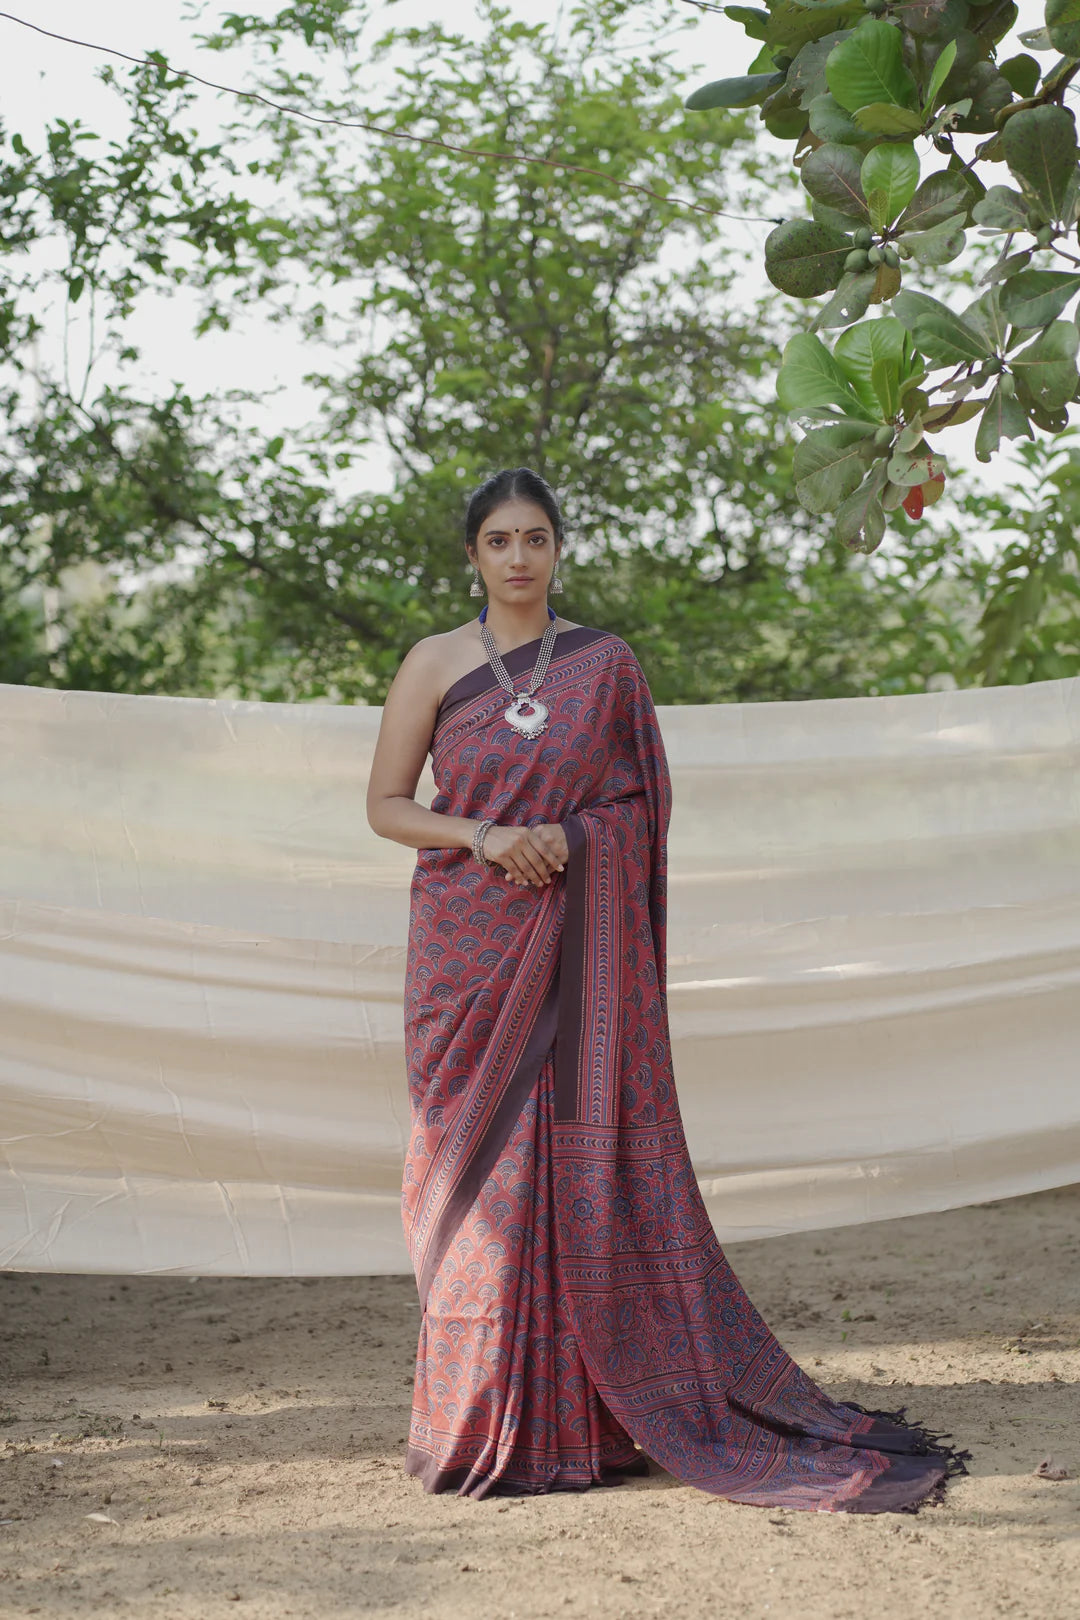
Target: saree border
480	682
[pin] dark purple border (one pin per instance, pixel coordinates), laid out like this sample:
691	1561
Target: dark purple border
517	661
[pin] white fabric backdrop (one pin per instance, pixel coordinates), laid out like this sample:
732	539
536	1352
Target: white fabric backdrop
874	955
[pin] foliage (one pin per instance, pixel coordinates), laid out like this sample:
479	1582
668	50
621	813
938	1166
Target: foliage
460	316
855	84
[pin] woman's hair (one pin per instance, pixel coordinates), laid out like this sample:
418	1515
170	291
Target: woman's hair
516	483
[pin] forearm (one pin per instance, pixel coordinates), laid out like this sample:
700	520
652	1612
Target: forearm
407	822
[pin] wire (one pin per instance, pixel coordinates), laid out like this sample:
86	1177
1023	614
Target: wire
390	134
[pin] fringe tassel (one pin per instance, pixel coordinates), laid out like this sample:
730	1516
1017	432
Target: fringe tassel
929	1441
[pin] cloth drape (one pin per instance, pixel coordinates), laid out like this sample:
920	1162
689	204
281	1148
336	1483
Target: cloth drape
576	1189
873	971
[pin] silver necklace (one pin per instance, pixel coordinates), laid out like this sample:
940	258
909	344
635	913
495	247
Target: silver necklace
526	713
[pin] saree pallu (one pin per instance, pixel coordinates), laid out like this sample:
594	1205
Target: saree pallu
579	1315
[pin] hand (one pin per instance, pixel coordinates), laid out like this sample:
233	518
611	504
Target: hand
528	854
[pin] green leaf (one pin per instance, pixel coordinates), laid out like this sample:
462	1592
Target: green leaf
947	341
909	307
949	115
1002	208
893	169
989	92
985	318
1040	148
809	375
1002	269
871	355
939	245
804	258
850	301
1034	297
911	467
1003	417
946	416
755	23
930	18
830	462
806	75
868	67
860	519
791	24
938	74
830	174
882	118
1036	39
831	122
1023	73
1063	26
1048	366
939	197
742	92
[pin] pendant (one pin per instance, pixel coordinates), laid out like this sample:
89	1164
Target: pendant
527	715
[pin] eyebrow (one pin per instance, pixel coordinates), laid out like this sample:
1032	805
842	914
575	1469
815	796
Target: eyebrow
537	528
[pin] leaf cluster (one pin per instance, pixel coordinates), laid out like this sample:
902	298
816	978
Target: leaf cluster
856	84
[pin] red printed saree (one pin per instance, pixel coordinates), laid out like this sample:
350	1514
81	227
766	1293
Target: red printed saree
579	1315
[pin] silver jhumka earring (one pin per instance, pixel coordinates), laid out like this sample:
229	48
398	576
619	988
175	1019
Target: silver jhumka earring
476	589
556	582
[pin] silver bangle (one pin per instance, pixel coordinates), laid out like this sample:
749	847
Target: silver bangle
478	841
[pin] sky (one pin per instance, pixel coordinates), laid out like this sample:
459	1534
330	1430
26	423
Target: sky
42	78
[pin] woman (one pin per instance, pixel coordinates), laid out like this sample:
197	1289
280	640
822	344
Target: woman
579	1315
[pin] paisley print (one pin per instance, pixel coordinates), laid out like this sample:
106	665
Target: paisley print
579	1314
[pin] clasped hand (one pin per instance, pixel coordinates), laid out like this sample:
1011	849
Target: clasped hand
528	854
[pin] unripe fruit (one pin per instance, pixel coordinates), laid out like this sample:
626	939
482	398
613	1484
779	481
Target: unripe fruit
993	366
782	63
892	258
1044	235
863	236
873	255
856	259
875	7
1007	385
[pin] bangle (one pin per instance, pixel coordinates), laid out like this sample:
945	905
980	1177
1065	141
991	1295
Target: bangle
478	842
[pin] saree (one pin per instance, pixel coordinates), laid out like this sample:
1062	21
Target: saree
579	1316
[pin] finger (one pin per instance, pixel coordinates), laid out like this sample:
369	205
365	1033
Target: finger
538	864
547	856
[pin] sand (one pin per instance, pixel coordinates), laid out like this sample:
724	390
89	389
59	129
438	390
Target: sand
239	1444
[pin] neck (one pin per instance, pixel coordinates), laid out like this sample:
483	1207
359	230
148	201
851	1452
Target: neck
512	625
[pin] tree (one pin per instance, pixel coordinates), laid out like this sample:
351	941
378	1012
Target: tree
516	317
854	83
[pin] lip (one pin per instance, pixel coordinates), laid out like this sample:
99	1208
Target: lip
521	579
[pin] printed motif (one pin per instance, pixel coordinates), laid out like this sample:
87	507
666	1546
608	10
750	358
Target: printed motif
576	1297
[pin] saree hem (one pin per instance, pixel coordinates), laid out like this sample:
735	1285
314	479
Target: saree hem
465	1480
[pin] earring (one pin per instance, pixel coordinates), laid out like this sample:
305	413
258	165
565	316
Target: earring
556	582
476	589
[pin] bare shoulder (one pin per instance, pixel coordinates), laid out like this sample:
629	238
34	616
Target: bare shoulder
437	661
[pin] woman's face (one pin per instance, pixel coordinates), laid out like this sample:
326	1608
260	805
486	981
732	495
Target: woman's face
516	551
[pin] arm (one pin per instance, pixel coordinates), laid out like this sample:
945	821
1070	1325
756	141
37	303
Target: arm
528	855
408	720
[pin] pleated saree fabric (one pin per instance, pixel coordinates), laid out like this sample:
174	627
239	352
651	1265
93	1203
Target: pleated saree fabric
579	1314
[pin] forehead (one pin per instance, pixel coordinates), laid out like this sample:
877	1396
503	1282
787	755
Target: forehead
516	514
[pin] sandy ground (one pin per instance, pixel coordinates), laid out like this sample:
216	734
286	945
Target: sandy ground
243	1441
